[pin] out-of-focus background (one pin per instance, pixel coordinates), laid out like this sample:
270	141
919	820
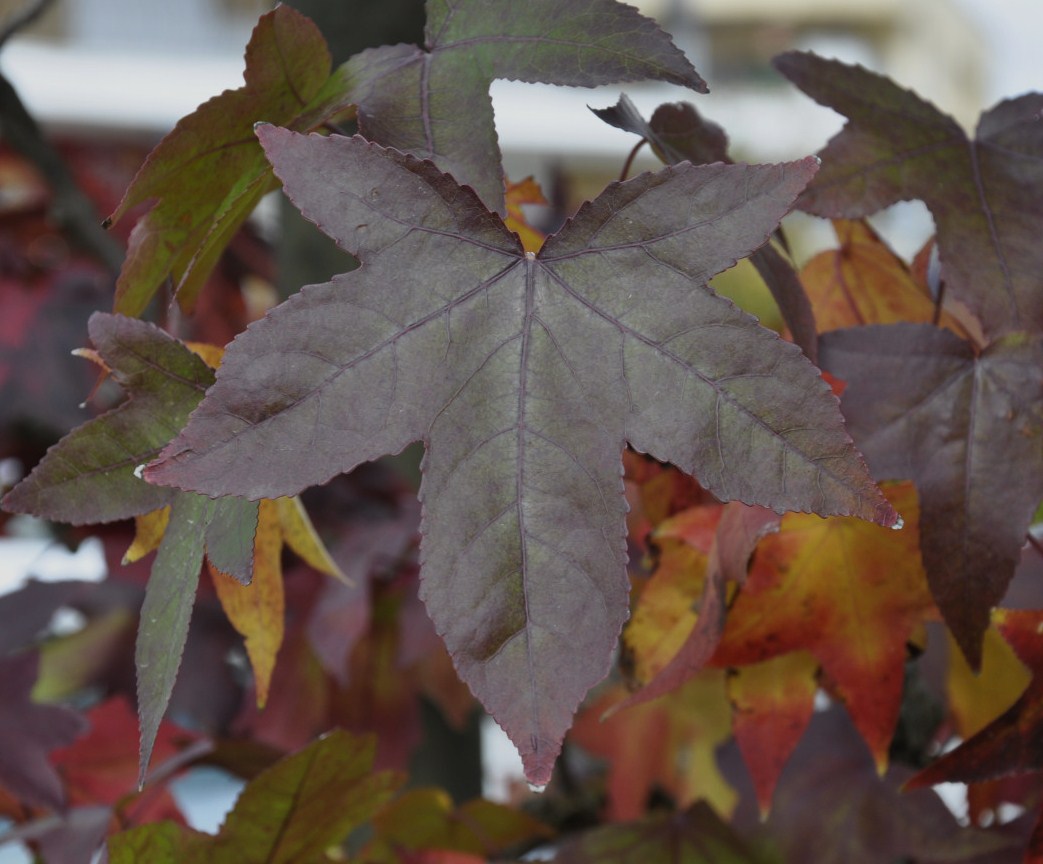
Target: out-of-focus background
108	78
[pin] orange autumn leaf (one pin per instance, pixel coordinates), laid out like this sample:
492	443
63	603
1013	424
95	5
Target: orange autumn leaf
666	611
851	593
683	637
864	282
773	702
257	610
670	743
525	191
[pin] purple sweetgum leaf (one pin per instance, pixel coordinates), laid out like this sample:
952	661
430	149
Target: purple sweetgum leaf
985	194
435	103
28	732
524	375
678	133
966	429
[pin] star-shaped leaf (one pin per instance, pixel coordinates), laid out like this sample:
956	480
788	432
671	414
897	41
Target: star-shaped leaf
984	193
435	103
967	429
524	375
208	174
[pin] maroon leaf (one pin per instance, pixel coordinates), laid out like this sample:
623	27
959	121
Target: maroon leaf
984	194
678	133
28	732
965	428
435	103
524	375
831	807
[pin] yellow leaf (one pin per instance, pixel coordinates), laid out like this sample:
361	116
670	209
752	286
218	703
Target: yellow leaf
977	700
149	529
864	282
212	355
525	191
257	610
300	536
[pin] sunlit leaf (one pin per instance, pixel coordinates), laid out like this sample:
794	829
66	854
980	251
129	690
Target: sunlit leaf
257	610
863	282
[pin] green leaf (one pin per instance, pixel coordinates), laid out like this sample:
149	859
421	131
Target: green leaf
694	836
159	843
230	537
524	376
165	614
435	103
208	174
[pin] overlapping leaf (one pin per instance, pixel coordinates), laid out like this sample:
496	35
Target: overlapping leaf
967	428
678	133
863	281
435	103
691	639
833	808
984	193
208	174
523	375
92	475
669	744
290	813
849	592
1010	744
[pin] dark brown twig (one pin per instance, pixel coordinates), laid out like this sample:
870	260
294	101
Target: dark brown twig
70	208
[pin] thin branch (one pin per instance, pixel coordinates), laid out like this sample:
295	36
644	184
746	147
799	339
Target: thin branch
23	18
630	159
70	208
